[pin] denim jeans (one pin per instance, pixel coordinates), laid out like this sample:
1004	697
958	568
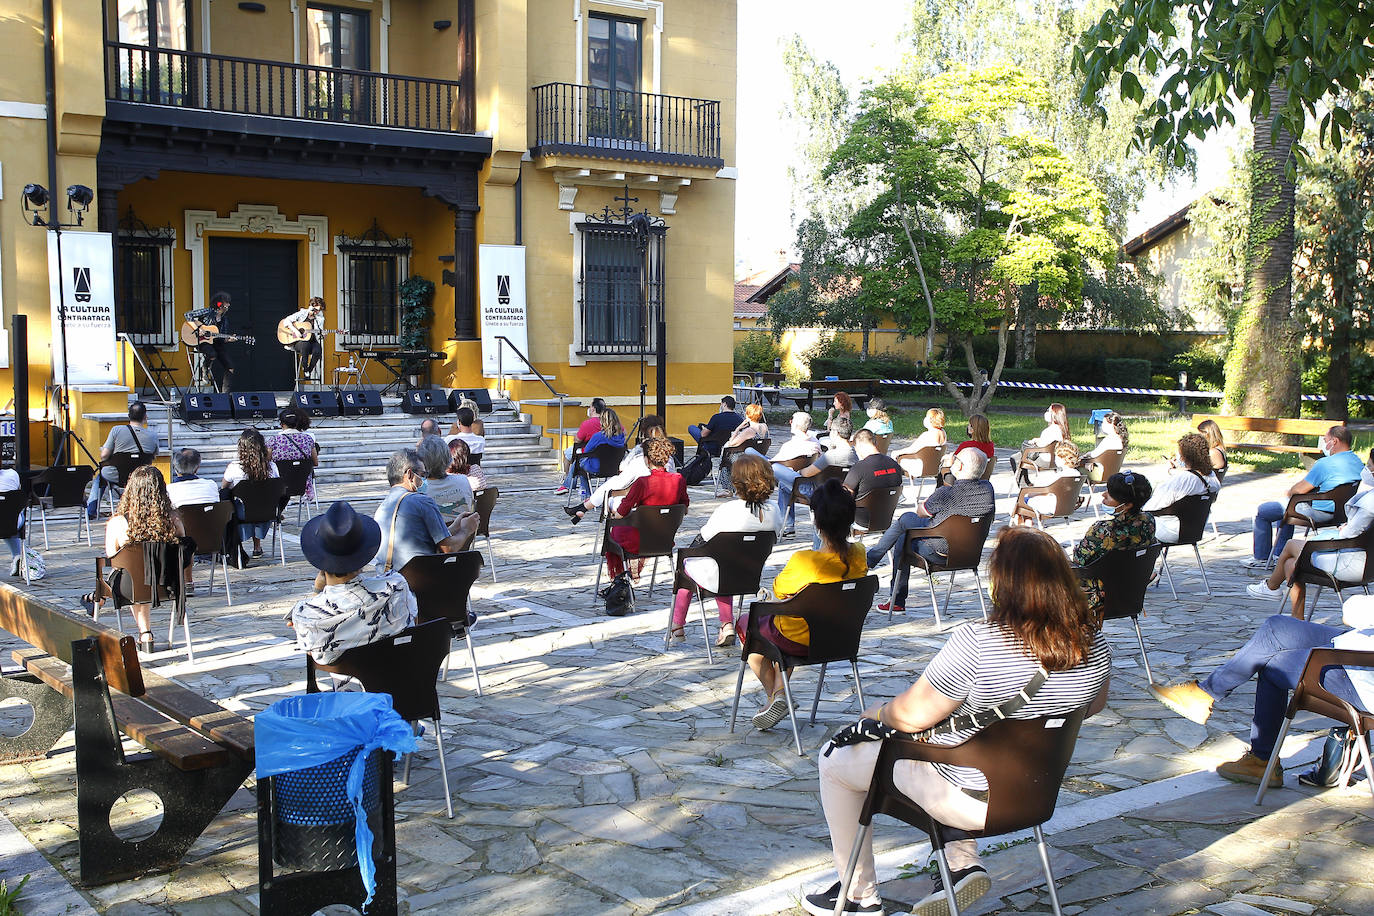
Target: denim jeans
1275	657
786	478
1268	515
894	539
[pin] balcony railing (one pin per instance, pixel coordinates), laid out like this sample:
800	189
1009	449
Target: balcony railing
617	124
241	85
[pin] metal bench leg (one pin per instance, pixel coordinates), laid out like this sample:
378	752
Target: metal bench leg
52	716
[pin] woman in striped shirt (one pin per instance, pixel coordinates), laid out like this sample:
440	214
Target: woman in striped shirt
1039	617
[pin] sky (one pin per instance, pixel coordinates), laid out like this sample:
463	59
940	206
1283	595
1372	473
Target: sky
861	46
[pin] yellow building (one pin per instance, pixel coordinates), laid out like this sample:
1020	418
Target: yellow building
285	149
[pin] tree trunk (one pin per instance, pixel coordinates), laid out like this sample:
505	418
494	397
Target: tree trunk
1264	367
1027	312
1338	373
863	353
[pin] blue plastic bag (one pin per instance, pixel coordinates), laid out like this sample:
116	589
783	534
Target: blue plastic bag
306	731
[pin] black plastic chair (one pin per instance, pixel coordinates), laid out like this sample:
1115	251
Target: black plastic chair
816	481
1311	696
295	473
762	446
1339	496
124	465
442	583
874	510
964	537
1122	577
63	488
834	613
1191	512
405	666
739	557
485	503
657	530
1024	761
12	505
262	502
205	524
1307	573
608	460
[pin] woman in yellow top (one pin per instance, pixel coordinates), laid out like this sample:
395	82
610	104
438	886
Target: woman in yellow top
832	510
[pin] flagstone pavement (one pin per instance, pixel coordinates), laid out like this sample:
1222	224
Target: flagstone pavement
598	774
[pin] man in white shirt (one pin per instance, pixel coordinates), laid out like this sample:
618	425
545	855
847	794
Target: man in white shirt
801	445
476	444
187	489
307	327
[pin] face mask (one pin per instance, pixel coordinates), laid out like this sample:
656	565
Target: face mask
1326	449
1049	417
423	486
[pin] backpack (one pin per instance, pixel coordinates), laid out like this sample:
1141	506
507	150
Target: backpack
695	471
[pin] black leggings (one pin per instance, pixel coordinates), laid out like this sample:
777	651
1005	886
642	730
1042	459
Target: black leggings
310	351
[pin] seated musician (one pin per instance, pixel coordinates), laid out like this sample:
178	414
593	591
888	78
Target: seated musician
211	346
306	327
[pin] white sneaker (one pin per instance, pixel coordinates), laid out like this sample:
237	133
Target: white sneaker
1252	563
1262	590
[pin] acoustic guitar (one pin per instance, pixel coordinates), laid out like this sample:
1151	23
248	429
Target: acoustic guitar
288	331
192	334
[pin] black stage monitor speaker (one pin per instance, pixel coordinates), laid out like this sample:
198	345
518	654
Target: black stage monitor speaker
206	405
360	402
317	403
254	405
425	400
479	396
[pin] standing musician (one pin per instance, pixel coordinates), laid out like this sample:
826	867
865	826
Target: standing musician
212	345
303	330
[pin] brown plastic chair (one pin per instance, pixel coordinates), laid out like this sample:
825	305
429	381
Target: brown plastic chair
406	666
442	584
798	463
719	477
296	473
131	560
1306	572
262	502
883	442
657	529
922	464
1122	577
485	502
1024	761
1311	696
205	524
964	536
1100	470
12	505
1067	492
874	510
834	613
740	557
1191	512
63	488
1023	464
608	460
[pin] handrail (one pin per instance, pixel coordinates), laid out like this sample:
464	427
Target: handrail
502	341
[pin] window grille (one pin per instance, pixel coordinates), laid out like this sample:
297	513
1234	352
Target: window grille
144	282
371	270
613	318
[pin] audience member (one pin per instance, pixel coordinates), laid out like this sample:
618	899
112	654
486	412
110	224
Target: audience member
658	488
1344	565
801	444
612	432
1114	436
832	507
1039	622
452	492
752	428
879	423
872	470
1190	475
1216	442
295	442
411	523
9	483
253	463
752	510
460	462
1126	527
132	438
632	468
590	427
1275	657
1337	466
721	425
187	487
349	608
969	495
430	427
463	422
477	427
1066	466
933	436
839	455
979	433
841	408
1056	430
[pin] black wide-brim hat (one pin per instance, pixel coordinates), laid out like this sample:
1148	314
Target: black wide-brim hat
340	541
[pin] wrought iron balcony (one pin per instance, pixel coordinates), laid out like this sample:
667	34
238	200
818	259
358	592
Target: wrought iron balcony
239	85
634	126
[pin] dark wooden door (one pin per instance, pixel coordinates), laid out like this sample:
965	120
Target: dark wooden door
261	277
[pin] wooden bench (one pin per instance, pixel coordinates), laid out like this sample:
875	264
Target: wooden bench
1288	427
83	670
858	389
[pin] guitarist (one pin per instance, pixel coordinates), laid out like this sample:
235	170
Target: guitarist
213	346
306	326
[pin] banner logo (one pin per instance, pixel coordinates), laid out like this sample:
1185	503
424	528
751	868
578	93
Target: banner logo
81	282
503	289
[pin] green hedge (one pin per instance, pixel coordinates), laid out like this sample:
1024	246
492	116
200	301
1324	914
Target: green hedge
1126	373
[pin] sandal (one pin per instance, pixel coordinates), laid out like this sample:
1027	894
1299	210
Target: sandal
727	636
676	636
575	513
145	641
88	602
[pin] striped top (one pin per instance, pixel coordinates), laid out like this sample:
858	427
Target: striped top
984	665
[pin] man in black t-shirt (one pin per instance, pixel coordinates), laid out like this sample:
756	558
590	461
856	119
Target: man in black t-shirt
873	471
719	426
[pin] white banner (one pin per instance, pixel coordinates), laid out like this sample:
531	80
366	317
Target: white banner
85	271
501	294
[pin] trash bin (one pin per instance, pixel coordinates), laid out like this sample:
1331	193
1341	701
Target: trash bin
314	828
1096	418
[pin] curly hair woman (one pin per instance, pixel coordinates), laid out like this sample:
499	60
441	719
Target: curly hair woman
254	462
1191	475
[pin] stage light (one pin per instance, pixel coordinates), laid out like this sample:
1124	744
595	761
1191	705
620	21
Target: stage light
35	195
79	197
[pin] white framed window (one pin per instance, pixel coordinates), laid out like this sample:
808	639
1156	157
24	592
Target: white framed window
372	268
143	280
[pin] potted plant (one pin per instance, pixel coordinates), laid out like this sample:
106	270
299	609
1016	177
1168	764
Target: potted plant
417	311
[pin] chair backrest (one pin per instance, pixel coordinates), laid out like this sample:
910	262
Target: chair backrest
125	464
131	559
929	457
65	486
1066	492
441	583
1106	464
206	523
485	502
883	442
829	472
988	468
1191	512
11	505
1221	474
1124	576
964	536
740	557
1340	496
874	510
608	458
406	666
796	464
261	499
834	613
657	528
295	474
1024	761
762	446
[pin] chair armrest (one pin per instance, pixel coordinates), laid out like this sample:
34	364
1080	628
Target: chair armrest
1298	499
1031	491
920	534
1320	659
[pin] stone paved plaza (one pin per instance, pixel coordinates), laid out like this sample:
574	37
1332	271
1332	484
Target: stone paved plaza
598	775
